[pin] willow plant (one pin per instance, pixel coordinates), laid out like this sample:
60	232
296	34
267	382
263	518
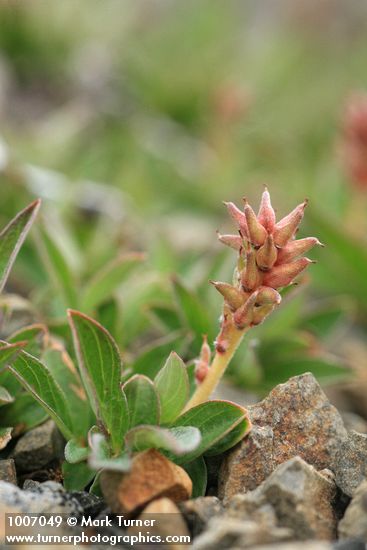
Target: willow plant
269	259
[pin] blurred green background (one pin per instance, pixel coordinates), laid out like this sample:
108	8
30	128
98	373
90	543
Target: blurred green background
134	120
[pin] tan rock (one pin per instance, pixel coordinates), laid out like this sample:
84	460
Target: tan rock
151	476
166	521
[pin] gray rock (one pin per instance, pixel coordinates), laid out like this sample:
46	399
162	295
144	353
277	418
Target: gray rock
295	496
351	463
38	447
7	471
354	522
198	511
30	484
230	532
46	498
295	419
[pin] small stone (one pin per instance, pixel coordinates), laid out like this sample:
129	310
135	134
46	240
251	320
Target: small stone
301	498
42	499
168	521
351	463
199	511
295	419
38	447
92	504
228	532
30	484
151	476
7	471
354	522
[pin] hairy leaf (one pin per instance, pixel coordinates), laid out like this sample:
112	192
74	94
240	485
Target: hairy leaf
100	366
75	452
178	441
100	456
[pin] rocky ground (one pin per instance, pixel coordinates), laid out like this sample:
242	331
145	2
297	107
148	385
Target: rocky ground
298	481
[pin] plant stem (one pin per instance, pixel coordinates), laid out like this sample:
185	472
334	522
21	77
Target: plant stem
217	368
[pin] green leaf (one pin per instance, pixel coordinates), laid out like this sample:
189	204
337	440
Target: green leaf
77	476
101	367
7	353
215	419
164	315
37	379
192	310
33	335
12	238
142	400
5	397
75	452
108	279
24	414
58	268
199	476
179	440
100	456
172	384
5	437
150	360
62	368
108	314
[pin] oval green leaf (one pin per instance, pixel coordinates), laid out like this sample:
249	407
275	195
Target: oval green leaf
142	400
215	419
172	384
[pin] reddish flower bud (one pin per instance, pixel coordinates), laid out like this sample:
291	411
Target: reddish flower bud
244	315
233	297
294	249
233	241
256	232
268	296
260	313
266	215
250	276
238	216
203	363
267	255
283	275
286	227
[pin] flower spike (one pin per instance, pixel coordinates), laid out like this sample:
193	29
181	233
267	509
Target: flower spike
269	258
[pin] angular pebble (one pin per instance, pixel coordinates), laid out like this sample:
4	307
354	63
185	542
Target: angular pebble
38	447
295	419
351	463
354	522
302	500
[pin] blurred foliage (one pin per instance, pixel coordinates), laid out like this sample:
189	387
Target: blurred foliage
133	121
